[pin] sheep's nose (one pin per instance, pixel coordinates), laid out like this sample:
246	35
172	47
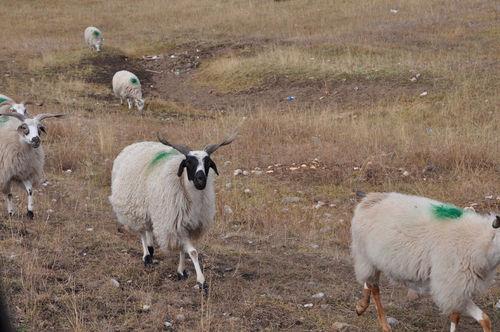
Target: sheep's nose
35	141
200	180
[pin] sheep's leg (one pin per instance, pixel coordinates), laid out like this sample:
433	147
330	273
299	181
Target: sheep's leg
181	269
146	257
121	101
364	302
454	317
129	101
10	206
150	243
473	310
193	254
375	291
29	191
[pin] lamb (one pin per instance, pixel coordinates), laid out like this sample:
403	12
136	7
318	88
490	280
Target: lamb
431	247
21	156
127	86
8	104
167	190
93	38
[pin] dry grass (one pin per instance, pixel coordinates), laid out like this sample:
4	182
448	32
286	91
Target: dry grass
266	259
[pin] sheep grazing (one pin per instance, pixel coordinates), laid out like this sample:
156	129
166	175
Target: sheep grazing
21	156
167	190
93	38
8	104
429	246
127	86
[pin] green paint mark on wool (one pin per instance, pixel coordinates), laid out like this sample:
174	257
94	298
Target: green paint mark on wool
134	80
3	120
2	100
160	156
96	33
445	211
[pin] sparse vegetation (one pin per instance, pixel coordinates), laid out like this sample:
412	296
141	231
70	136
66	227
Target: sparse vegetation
358	122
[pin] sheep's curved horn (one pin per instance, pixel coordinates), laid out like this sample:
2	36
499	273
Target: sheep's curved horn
16	115
496	222
211	148
181	148
43	116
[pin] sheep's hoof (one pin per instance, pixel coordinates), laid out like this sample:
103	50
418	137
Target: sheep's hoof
148	260
11	214
30	215
151	251
182	276
203	287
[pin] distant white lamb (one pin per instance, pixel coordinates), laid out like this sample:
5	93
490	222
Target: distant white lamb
21	156
167	190
93	38
127	86
431	247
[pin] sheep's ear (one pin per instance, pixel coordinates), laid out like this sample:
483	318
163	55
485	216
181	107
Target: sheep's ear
496	222
42	129
181	167
213	166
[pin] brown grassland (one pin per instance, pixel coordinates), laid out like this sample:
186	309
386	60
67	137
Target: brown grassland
358	122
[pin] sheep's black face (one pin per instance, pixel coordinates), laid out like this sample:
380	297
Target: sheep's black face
197	164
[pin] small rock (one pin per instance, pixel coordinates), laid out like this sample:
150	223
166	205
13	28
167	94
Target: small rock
488	197
270	171
146	307
290	199
293	168
413	79
392	321
227	209
246	173
319	204
290	98
314	246
237	172
228	185
247	191
68	171
423	94
344	327
406	173
308	305
115	282
497	305
319	295
394	11
89	229
168	324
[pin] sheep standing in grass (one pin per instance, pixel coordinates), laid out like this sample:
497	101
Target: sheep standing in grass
127	86
21	156
166	190
430	246
93	38
8	104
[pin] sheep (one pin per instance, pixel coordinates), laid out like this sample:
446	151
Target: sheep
430	246
93	38
127	86
8	104
167	190
21	156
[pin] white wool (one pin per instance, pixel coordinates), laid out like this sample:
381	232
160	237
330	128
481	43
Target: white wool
402	237
125	90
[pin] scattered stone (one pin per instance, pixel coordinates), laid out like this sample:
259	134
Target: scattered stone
237	172
270	171
406	173
423	94
115	282
146	307
392	321
247	191
290	199
293	168
497	305
394	11
168	324
319	295
246	173
68	171
344	327
227	209
89	229
315	246
488	197
413	79
319	204
308	305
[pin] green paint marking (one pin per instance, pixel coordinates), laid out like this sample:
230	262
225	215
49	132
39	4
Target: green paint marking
2	100
161	156
96	33
134	80
3	120
446	211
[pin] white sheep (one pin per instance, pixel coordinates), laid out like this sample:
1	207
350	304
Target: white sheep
157	190
21	156
8	104
431	247
93	38
127	86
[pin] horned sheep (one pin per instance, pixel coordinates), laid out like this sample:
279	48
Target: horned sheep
9	104
431	247
127	86
93	38
166	190
21	155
